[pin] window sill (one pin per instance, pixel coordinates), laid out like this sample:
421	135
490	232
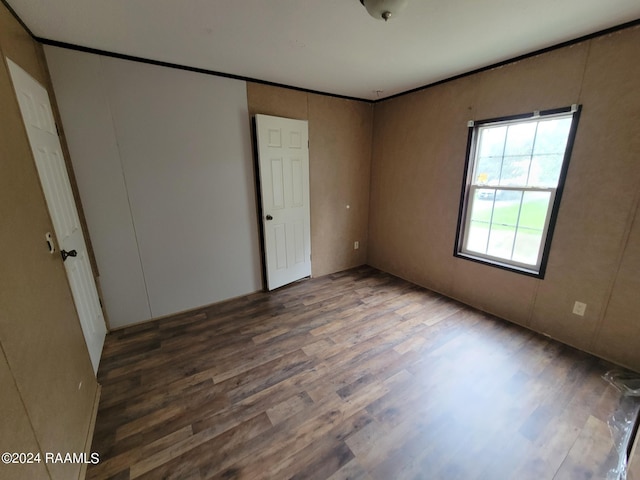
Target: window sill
503	266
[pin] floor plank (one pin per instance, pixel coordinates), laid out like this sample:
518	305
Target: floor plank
354	375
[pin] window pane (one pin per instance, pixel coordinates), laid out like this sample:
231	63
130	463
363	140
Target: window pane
534	210
481	208
491	141
520	139
533	216
545	170
477	236
501	241
506	208
552	136
489	155
527	246
508	195
515	170
488	171
482	204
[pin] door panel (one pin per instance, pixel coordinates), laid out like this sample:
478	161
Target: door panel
277	183
283	159
35	107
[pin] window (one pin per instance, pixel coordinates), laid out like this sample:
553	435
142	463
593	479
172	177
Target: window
513	183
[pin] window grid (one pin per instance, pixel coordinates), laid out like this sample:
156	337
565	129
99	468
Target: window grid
513	232
518	227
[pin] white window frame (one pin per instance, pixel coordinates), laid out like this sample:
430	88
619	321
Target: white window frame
470	186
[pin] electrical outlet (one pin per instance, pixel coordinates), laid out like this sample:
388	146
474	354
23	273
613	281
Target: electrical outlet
356	245
579	308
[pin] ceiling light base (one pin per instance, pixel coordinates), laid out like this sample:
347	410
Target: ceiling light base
384	9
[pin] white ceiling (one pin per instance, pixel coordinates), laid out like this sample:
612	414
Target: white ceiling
330	46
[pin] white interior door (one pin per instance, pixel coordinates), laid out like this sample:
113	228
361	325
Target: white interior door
45	145
283	159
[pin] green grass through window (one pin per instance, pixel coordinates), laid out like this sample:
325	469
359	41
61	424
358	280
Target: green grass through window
505	213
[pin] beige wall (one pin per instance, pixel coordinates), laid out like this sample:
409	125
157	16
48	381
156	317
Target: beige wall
339	169
418	161
43	356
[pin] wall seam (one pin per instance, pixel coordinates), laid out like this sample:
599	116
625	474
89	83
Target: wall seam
584	70
126	188
633	215
369	200
532	307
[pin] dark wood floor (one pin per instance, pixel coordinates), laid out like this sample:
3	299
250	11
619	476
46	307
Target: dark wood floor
354	375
